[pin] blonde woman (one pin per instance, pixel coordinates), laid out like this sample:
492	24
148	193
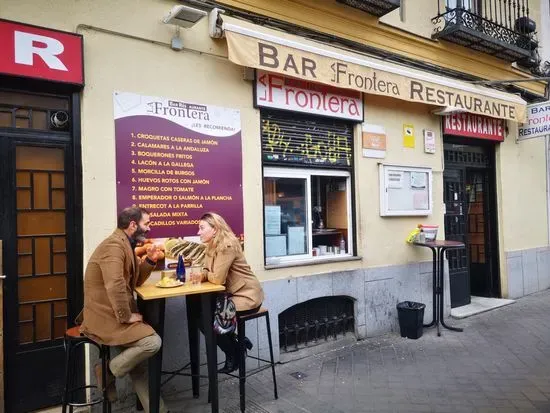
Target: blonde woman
225	264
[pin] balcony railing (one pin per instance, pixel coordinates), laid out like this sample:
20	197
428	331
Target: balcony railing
375	7
498	27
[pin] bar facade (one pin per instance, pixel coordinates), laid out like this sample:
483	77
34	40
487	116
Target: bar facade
324	158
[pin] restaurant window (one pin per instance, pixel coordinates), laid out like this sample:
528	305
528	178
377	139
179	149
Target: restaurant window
307	188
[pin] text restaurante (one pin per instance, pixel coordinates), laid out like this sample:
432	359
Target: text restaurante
440	97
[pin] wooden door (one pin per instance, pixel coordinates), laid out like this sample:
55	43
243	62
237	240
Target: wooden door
36	252
480	242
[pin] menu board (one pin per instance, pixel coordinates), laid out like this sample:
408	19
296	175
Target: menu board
405	190
178	160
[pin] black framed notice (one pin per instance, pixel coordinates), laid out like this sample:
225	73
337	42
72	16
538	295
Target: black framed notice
290	138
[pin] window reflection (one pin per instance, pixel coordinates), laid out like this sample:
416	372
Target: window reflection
330	214
285	217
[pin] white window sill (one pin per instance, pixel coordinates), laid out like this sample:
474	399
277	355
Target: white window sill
313	261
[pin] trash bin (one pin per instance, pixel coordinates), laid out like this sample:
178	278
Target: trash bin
411	318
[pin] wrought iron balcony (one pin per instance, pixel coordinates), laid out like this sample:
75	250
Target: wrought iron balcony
376	7
498	27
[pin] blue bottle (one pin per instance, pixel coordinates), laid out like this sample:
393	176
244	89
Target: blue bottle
180	269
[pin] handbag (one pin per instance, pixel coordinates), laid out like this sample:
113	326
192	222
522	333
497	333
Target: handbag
225	314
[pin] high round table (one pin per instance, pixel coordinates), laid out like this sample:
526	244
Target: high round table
438	253
152	302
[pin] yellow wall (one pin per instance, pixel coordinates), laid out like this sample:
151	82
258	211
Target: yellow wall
383	239
114	62
117	62
521	168
415	17
521	198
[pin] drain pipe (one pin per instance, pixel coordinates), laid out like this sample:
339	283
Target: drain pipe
547	147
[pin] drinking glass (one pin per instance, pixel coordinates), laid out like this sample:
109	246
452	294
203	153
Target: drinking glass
168	274
195	275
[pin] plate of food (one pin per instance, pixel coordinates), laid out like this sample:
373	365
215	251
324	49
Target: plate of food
169	283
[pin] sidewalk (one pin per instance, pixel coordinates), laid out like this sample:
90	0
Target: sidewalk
500	363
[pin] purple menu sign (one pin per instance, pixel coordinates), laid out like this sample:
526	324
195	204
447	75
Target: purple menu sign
178	160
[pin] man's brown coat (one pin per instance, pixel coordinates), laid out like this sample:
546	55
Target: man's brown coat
112	273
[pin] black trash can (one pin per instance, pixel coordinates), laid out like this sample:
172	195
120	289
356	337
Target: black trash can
411	318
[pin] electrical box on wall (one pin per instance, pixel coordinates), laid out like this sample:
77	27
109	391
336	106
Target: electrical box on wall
405	190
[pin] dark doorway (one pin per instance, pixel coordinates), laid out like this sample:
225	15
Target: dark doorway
471	217
42	247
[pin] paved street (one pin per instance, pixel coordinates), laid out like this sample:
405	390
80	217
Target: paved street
500	363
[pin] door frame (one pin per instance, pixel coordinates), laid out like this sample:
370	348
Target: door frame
2	365
492	204
71	141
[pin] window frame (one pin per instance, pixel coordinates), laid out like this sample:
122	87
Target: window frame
473	6
307	173
385	211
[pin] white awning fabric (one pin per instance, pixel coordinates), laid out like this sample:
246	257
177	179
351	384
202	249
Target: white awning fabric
255	46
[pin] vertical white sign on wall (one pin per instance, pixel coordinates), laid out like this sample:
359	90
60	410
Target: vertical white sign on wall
429	141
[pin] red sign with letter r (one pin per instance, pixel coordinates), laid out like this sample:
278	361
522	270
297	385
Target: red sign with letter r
37	52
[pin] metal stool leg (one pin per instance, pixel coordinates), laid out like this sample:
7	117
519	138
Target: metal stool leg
75	393
242	364
67	345
72	377
103	353
271	355
108	353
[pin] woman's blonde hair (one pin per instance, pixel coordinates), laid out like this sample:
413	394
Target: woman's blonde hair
224	236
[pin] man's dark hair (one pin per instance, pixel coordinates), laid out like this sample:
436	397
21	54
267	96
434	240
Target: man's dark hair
128	215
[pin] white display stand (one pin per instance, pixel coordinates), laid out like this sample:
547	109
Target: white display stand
405	190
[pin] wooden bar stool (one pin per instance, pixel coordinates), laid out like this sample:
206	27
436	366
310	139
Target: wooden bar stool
72	341
241	334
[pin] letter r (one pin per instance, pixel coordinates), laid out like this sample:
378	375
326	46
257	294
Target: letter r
26	47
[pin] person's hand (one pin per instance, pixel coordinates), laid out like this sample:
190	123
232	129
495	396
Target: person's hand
135	318
153	252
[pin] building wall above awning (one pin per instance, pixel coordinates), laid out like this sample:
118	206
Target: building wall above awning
262	48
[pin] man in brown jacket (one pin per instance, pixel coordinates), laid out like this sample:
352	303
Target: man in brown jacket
111	315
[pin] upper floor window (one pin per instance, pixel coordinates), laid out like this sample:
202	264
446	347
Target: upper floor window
464	4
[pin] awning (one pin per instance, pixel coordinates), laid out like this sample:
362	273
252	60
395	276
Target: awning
255	46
